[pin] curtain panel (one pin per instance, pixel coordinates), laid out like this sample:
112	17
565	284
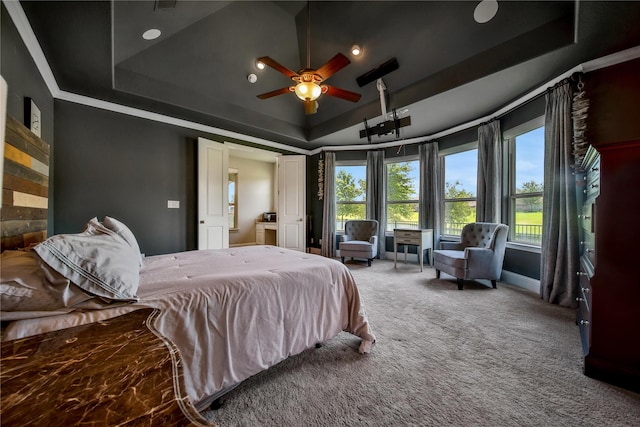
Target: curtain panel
329	206
429	197
489	172
377	195
560	252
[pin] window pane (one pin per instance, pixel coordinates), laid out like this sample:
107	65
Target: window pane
345	212
233	199
529	157
528	216
457	215
527	181
351	183
461	174
402	194
351	192
402	215
460	179
403	181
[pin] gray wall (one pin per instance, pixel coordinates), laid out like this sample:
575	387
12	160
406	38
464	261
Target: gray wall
126	167
24	80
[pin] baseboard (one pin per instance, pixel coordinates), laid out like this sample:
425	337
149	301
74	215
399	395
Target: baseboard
237	245
520	281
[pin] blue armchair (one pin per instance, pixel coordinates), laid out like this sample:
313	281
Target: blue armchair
360	240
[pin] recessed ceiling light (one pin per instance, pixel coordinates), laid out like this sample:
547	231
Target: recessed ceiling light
485	11
151	34
356	50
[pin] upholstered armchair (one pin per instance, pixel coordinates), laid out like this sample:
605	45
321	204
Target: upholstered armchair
360	240
479	255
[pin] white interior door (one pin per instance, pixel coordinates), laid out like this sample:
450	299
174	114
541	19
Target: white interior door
292	202
213	201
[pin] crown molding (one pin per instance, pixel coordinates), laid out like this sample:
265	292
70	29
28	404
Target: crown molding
26	32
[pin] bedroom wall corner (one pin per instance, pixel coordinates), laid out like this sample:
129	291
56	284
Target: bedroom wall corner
126	167
24	81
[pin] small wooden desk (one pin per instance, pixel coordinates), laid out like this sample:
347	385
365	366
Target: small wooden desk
422	238
266	233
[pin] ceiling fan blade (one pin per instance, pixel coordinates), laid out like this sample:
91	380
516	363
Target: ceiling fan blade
277	66
274	93
343	94
332	66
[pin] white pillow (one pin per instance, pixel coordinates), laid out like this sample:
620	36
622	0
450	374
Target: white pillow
124	232
98	260
29	288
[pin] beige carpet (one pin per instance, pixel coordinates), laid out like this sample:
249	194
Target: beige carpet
478	357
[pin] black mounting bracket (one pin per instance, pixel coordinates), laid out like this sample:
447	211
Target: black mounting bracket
386	127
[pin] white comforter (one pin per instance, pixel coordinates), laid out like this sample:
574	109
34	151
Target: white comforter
235	312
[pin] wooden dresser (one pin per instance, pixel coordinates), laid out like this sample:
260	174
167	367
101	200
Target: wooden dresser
609	301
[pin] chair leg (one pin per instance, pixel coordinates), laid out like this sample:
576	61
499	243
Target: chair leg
437	274
369	262
460	284
493	283
342	259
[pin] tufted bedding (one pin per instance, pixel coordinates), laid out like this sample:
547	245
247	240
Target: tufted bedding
234	312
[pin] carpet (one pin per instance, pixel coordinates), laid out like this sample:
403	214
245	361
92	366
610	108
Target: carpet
443	357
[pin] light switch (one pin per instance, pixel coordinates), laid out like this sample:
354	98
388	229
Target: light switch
173	204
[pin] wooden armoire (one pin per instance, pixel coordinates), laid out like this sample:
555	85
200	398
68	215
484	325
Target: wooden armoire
609	301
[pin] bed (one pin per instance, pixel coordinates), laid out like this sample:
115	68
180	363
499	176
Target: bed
230	313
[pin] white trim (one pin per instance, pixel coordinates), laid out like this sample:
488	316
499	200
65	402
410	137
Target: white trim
524	247
613	59
136	112
523	128
26	32
521	281
31	42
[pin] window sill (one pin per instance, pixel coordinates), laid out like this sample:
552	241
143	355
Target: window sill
524	247
234	230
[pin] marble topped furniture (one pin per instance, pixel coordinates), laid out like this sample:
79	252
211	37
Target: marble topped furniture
108	373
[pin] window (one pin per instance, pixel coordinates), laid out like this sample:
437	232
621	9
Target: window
403	183
459	191
233	199
526	182
351	193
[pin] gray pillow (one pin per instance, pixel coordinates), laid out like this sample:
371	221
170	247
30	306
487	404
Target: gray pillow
29	288
98	260
124	232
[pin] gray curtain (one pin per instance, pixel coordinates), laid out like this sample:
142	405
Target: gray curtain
429	204
329	208
489	172
560	256
377	195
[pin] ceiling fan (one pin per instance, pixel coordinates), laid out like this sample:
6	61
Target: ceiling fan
309	81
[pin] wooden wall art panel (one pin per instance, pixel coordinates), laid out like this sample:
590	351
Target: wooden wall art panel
25	187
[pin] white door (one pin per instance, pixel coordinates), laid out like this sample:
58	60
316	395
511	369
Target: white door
213	202
292	202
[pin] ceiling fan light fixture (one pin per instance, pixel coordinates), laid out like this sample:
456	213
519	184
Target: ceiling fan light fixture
308	91
260	65
356	50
